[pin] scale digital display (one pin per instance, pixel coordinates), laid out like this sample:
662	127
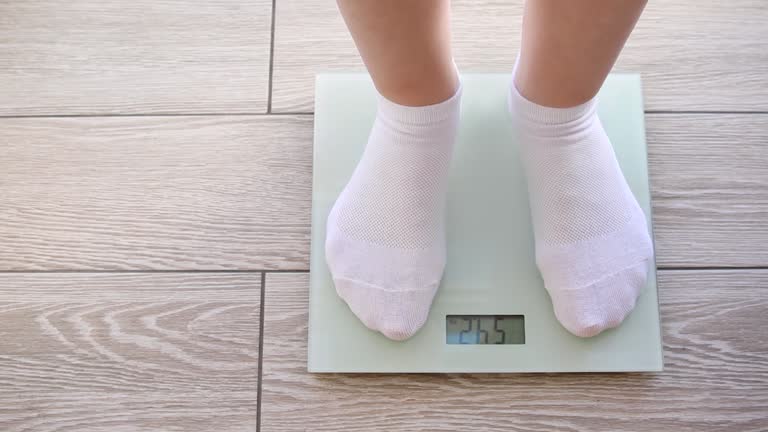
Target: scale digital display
484	329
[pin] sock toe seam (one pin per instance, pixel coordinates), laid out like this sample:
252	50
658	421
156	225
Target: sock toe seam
602	278
380	288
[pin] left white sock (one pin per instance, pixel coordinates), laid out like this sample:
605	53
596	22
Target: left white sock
592	242
385	243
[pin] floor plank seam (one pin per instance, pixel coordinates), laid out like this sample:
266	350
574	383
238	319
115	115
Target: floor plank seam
261	351
726	112
711	268
156	271
99	115
300	271
271	58
269	113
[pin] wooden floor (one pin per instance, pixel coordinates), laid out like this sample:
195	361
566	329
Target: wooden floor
155	182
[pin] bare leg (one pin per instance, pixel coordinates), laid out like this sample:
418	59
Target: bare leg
405	46
568	47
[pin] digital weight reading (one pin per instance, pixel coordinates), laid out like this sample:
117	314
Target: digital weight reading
485	329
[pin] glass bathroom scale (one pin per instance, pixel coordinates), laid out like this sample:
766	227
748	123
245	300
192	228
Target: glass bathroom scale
491	313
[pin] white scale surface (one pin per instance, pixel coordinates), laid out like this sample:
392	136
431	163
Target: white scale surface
491	269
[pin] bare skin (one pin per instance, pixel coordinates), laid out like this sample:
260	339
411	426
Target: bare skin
406	46
568	47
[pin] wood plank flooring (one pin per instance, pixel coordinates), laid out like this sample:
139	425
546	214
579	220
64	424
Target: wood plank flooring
140	56
129	351
156	193
155	185
715	377
694	56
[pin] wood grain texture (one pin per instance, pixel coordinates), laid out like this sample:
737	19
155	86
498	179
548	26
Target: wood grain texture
716	377
178	193
167	56
709	183
128	351
235	192
693	55
121	412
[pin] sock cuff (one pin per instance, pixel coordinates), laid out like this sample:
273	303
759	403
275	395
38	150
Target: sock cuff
543	115
427	114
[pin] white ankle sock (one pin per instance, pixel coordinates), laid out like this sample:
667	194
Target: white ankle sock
385	243
592	242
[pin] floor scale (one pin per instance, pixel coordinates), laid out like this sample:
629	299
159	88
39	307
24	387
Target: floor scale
491	313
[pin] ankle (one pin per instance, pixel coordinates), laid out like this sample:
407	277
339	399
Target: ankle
421	90
529	113
447	110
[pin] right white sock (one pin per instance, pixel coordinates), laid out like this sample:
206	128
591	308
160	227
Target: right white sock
592	241
385	242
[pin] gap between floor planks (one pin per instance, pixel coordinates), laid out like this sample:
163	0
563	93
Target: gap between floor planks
310	113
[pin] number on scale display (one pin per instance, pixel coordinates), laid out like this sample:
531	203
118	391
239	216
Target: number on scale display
485	329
